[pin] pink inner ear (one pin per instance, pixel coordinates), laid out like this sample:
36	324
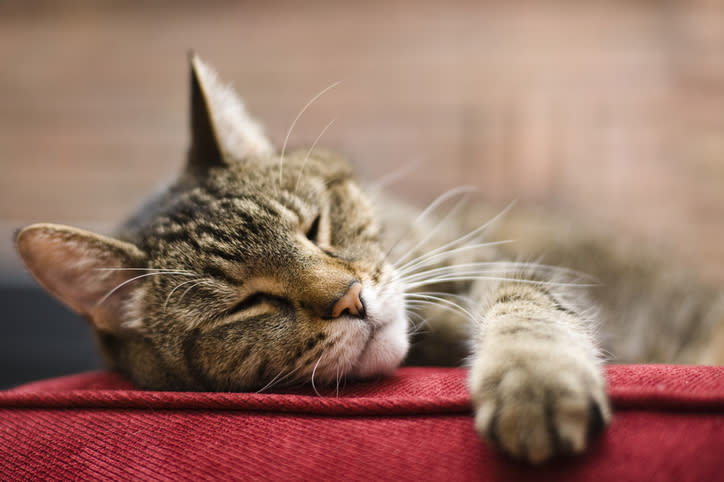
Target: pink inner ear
73	265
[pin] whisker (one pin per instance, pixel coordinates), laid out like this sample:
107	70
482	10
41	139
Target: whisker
165	303
383	181
159	270
444	294
314	370
444	279
440	223
294	122
203	281
337	387
277	379
427	259
419	304
121	285
441	302
446	271
418	326
490	267
456	191
472	234
309	152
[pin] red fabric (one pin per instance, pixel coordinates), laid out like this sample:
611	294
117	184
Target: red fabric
416	425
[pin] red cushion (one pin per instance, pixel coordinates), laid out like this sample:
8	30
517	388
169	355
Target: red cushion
668	425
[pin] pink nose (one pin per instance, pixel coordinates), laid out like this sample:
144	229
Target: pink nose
350	302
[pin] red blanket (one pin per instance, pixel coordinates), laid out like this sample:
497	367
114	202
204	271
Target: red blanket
416	425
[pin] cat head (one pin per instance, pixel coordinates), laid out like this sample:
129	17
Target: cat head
253	268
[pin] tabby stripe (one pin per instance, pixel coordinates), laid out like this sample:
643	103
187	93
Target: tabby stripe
245	353
261	372
558	305
225	255
178	236
189	348
527	328
231	202
218	273
510	298
565	310
214	231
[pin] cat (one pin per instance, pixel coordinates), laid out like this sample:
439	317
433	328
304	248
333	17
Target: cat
258	268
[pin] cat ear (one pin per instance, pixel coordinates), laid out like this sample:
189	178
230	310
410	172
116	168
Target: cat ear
77	267
221	129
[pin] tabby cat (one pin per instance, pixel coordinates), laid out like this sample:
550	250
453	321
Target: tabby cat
258	268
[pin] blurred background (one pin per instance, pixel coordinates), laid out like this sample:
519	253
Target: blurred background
609	109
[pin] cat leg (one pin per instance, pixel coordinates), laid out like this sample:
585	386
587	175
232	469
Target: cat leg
536	379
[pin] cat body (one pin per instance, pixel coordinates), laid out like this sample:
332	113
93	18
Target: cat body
258	268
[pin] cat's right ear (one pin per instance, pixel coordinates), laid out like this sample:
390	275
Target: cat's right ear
221	130
88	272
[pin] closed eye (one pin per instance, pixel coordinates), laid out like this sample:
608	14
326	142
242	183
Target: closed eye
250	301
256	299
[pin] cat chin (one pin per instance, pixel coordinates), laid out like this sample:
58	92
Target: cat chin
384	351
388	341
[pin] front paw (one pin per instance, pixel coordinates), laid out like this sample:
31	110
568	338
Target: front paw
536	406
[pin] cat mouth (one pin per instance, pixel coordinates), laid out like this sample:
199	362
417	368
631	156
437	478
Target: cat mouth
384	349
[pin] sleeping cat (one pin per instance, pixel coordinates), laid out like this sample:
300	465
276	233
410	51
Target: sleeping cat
258	268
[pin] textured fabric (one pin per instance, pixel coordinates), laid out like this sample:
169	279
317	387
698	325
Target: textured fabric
415	425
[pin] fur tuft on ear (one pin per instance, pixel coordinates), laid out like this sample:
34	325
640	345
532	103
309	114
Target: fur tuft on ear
84	270
221	129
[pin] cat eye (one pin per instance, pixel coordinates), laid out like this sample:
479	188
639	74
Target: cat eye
313	231
256	299
248	302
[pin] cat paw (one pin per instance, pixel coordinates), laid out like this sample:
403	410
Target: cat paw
534	408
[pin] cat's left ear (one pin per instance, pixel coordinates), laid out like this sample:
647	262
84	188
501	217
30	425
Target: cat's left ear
221	129
88	272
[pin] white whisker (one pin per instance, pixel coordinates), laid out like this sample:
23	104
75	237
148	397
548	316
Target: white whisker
483	268
165	303
203	281
418	326
337	386
121	285
440	223
416	298
444	272
383	181
456	191
426	259
277	379
158	270
471	235
443	294
446	279
294	122
419	304
314	370
309	152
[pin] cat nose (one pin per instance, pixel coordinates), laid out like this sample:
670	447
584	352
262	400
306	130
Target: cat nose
350	302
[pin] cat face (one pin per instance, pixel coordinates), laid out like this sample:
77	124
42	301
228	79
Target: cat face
251	270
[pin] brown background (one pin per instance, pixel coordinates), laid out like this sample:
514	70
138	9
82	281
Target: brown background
614	109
